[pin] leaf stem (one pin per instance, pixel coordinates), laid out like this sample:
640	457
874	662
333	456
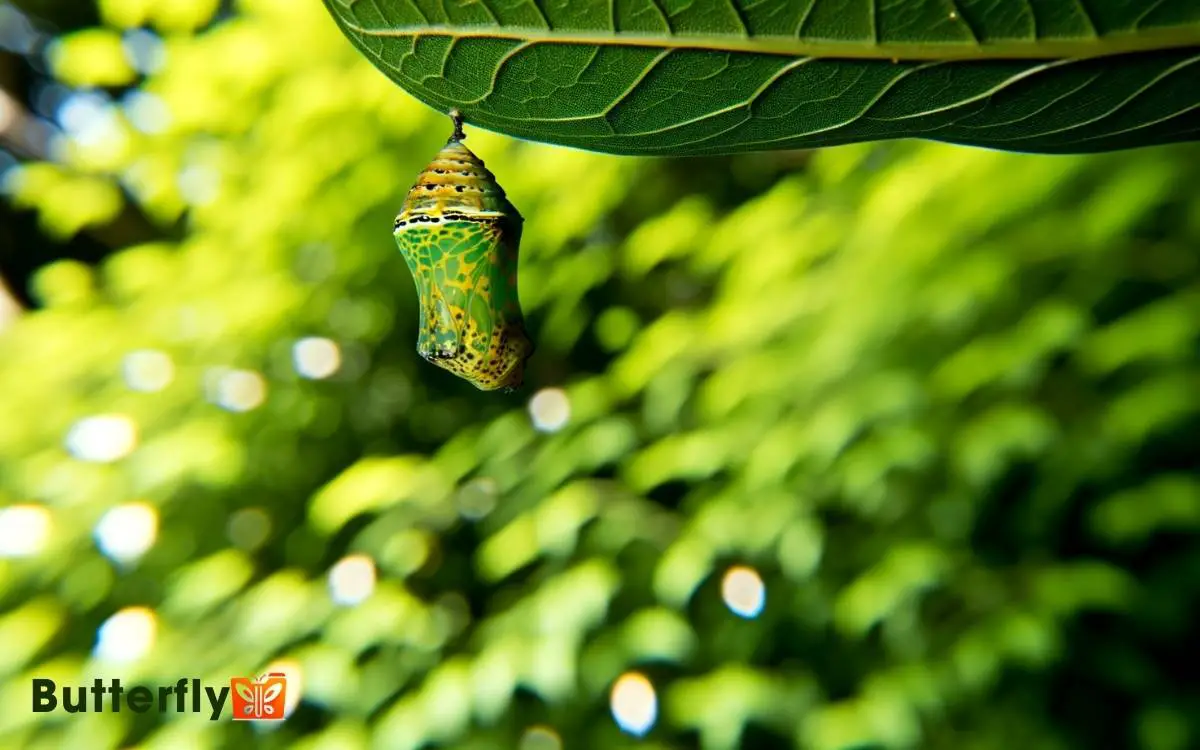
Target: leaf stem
456	117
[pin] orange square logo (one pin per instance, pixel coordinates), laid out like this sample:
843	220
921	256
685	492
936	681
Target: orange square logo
259	699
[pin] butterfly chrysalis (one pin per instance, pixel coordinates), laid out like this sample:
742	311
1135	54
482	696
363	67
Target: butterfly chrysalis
459	235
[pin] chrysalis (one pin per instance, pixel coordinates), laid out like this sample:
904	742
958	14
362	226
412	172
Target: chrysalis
459	235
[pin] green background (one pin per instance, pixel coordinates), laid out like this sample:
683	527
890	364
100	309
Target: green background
944	401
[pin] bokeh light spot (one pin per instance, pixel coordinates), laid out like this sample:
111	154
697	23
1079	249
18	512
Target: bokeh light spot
540	738
352	580
17	33
104	438
295	685
146	112
240	390
743	591
144	50
616	327
634	703
199	184
24	530
127	531
89	118
127	636
550	409
316	357
148	370
249	528
8	113
477	498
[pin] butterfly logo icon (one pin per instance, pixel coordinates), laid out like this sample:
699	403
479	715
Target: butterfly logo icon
259	698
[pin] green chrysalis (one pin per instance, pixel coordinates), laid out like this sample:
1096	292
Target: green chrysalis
459	235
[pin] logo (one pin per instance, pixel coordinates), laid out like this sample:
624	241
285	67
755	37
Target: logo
259	699
186	695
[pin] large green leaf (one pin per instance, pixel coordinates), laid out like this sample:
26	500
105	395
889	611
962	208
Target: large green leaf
718	76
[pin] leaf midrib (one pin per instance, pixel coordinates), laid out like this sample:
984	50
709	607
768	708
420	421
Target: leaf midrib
1175	37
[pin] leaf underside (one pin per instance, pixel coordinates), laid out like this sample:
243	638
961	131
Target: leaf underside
693	77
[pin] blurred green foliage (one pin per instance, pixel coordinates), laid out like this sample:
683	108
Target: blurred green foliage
945	402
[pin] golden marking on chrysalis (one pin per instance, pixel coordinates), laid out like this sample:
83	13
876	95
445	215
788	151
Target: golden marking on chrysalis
460	236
